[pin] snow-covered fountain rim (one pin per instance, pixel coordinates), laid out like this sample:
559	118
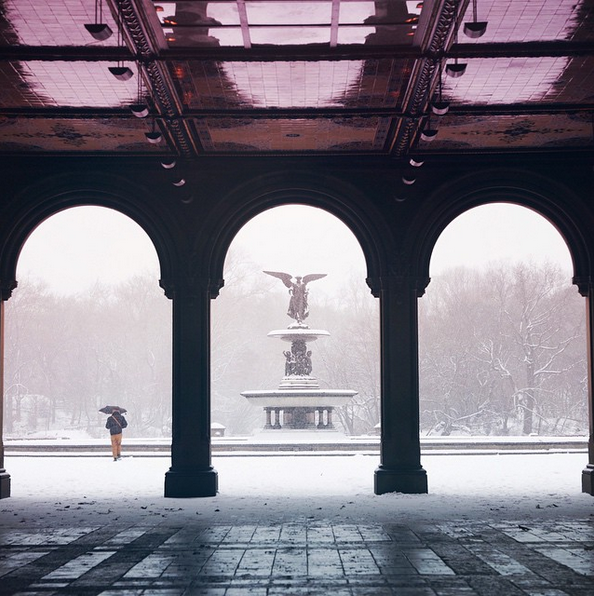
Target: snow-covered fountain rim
300	333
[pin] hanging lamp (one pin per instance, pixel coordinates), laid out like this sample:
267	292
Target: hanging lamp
438	106
456	69
428	134
98	30
475	29
154	136
140	108
120	72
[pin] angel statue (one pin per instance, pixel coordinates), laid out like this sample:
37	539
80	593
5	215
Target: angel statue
298	308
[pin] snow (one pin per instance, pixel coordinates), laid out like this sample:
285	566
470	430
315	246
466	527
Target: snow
48	491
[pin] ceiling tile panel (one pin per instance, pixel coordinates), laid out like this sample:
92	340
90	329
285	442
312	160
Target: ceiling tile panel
288	13
492	81
536	20
51	84
371	83
51	23
74	135
283	135
288	22
511	132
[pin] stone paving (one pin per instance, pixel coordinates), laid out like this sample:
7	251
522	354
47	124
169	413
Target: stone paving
544	558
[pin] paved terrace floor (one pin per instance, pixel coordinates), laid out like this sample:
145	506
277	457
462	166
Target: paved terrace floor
500	525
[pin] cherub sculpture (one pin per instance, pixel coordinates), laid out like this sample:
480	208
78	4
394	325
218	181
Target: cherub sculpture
298	307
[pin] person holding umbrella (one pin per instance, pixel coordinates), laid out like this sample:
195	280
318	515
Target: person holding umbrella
115	424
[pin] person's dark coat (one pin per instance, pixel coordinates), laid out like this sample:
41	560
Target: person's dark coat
115	423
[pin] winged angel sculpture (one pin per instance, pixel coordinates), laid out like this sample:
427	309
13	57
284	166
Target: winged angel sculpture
298	307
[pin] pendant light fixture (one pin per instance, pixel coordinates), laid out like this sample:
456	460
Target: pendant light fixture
100	31
428	134
154	136
456	70
475	29
140	108
438	106
120	72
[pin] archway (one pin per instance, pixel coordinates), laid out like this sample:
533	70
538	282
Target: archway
87	330
502	330
299	240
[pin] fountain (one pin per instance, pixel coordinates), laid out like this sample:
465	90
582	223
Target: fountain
299	402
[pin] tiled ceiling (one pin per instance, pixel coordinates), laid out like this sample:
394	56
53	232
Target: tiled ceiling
312	77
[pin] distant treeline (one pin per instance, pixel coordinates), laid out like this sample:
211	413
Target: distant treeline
502	352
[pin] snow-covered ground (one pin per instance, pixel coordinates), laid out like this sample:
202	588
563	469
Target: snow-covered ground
90	490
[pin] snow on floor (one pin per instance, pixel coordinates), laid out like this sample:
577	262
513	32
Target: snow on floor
50	491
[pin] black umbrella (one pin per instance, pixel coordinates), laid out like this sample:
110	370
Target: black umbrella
110	409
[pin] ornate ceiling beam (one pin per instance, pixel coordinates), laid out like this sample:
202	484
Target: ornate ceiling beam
157	78
297	53
421	80
525	109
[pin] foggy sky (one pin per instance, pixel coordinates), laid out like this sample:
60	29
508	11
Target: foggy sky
78	247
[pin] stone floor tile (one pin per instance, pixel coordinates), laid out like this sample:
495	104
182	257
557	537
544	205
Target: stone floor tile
151	566
9	563
295	534
324	562
358	561
426	562
320	533
80	565
266	534
290	562
499	561
257	562
577	559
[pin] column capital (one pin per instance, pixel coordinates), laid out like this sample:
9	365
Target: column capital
397	283
584	284
191	286
6	288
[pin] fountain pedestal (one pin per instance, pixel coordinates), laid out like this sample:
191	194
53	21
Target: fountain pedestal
299	403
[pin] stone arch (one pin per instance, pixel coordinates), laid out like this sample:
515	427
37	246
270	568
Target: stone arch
343	201
543	196
40	201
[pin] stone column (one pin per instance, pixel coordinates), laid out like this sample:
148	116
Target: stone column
268	418
4	475
400	467
320	417
191	473
277	423
587	290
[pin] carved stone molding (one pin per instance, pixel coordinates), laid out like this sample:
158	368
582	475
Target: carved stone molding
161	87
191	286
421	84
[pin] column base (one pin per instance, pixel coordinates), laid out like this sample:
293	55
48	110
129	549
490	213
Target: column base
588	479
191	483
400	481
4	484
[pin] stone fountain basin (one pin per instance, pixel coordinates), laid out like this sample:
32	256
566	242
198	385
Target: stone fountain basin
299	398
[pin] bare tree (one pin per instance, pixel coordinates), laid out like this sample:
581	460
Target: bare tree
510	344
